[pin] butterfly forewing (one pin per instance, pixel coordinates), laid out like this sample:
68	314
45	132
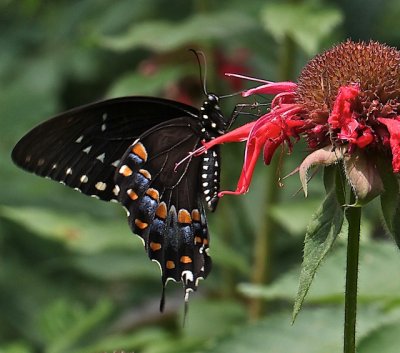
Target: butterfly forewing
83	146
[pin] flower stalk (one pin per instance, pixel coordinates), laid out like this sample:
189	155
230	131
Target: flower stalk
353	215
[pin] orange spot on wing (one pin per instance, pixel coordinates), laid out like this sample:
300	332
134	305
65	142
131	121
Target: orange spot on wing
198	240
125	171
186	259
196	215
162	211
140	151
133	195
184	216
140	224
170	265
155	246
205	241
145	173
153	193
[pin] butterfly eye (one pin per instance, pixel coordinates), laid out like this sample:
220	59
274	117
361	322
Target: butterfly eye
212	98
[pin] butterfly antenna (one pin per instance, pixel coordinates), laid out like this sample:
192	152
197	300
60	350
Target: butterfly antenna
203	78
230	95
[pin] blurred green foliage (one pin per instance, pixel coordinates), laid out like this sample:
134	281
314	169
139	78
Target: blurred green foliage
72	276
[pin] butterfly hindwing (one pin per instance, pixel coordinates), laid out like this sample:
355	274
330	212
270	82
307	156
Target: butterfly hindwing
164	202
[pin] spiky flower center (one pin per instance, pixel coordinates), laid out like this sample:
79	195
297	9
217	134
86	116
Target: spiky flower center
373	66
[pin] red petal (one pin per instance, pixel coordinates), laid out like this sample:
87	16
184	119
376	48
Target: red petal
272	88
342	108
393	127
238	135
269	149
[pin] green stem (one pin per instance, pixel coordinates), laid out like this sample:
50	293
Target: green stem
353	215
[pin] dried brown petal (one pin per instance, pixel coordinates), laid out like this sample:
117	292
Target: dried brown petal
363	176
324	156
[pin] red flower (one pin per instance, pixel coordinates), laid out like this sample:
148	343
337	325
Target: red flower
346	104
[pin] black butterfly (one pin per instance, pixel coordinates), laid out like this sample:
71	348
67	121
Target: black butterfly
126	150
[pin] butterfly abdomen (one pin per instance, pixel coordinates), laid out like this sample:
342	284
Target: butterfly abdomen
210	177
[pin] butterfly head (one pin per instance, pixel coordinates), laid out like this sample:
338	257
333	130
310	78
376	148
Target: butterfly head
212	120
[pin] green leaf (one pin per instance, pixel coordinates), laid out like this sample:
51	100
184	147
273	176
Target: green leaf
225	315
78	232
386	339
135	340
390	201
376	258
322	231
229	257
306	24
15	347
116	265
135	83
164	36
82	327
300	212
316	331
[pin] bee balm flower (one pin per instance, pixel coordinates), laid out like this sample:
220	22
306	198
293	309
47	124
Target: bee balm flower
345	104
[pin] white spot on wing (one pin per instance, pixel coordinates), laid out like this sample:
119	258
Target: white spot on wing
116	163
101	157
68	171
116	190
127	213
84	179
159	265
100	186
87	149
79	139
187	276
103	127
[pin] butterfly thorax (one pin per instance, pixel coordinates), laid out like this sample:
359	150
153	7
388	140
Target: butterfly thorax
211	118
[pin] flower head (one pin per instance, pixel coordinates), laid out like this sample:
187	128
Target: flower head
345	104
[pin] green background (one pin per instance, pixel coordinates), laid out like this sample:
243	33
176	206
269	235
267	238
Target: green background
72	276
